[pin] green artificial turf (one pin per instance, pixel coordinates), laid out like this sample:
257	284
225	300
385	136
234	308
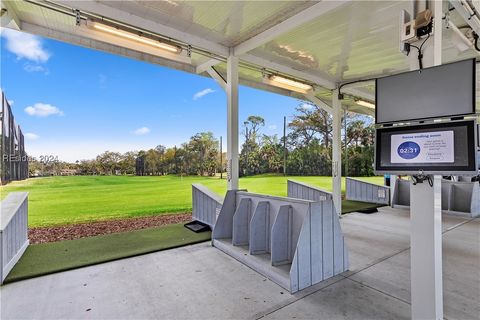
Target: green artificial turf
75	199
42	259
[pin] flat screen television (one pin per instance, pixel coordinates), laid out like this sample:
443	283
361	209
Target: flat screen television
442	91
446	148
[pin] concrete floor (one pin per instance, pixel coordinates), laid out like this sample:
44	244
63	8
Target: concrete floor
200	282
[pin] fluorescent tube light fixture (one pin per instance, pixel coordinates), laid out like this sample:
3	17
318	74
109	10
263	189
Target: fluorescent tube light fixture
365	104
288	84
134	37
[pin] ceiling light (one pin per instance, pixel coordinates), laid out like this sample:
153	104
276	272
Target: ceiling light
365	104
288	84
134	37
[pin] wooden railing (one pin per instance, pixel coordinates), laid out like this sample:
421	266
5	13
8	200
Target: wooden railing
13	231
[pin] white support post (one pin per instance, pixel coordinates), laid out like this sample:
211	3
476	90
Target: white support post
426	221
232	122
337	152
426	249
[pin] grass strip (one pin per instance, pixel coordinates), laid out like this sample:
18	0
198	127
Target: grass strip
47	258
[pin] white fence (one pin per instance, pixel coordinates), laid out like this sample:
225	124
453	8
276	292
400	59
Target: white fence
13	231
206	205
358	190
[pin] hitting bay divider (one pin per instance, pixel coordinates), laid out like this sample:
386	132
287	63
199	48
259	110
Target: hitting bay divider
294	242
358	190
300	190
401	194
206	205
458	198
13	231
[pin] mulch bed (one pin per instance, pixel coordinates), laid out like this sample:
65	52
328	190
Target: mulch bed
76	231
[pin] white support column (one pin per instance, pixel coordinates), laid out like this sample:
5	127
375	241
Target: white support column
232	122
337	152
426	249
426	220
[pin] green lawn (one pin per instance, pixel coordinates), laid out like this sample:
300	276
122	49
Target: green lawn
66	200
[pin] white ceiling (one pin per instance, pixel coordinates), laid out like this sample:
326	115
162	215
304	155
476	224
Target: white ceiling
354	40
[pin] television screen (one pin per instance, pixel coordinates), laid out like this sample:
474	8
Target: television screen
442	91
436	148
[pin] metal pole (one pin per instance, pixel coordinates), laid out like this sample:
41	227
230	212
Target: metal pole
285	146
337	153
221	159
232	122
346	148
175	163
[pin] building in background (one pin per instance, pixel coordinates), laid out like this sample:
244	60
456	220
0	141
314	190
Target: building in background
14	162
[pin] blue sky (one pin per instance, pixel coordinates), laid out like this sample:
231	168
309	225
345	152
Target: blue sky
76	102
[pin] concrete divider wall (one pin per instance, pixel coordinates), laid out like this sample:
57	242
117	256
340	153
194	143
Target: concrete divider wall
401	196
293	242
300	190
464	198
13	231
358	190
458	198
206	205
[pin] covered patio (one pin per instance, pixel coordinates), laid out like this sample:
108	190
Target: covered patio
201	282
326	52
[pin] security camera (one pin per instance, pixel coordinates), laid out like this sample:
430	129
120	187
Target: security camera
423	23
418	27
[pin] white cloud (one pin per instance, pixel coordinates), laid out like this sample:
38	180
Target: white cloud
31	136
306	106
25	46
43	110
202	93
11	102
141	131
34	68
272	127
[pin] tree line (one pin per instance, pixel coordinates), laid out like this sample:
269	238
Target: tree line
305	150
